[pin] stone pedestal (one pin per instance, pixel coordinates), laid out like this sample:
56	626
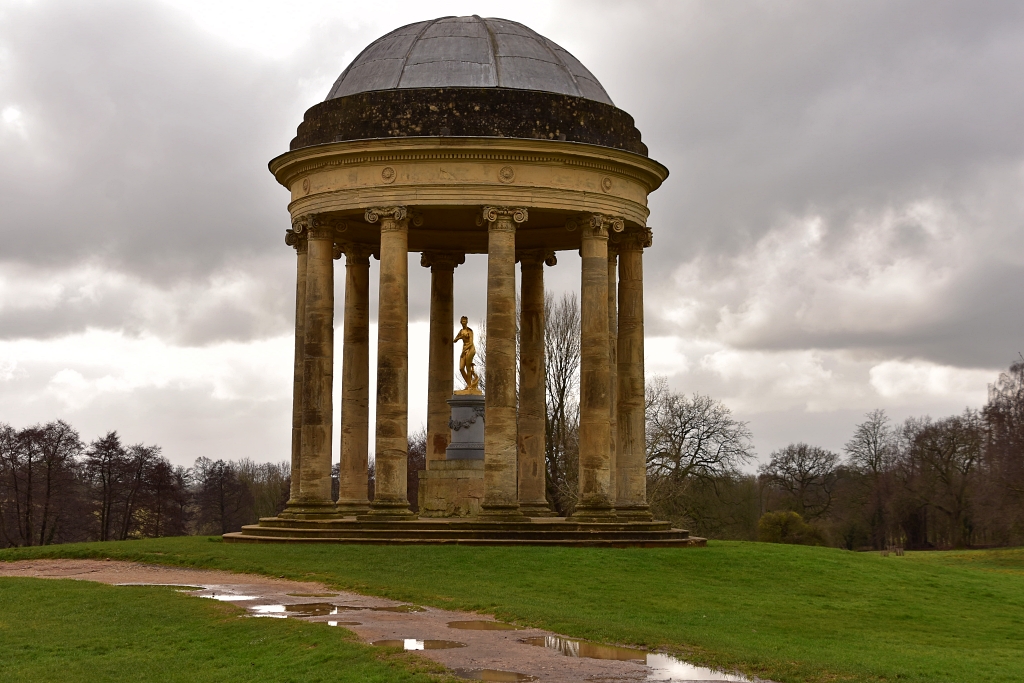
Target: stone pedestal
467	427
451	488
454	487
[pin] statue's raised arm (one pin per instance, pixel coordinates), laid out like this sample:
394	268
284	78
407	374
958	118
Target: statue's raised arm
466	367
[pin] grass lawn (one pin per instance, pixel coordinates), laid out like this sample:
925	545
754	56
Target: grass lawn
789	613
63	630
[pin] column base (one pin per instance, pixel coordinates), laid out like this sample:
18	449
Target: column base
537	509
502	513
296	509
387	512
348	508
634	513
593	514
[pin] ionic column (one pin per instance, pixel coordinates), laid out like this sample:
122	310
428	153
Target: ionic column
355	382
440	379
314	499
613	334
501	496
298	241
391	500
631	468
595	483
532	404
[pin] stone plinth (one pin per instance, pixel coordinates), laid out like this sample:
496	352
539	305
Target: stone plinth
452	488
467	425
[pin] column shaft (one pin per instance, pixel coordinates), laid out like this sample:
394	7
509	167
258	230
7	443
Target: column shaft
440	378
613	334
500	487
392	435
631	470
595	486
532	397
318	374
299	242
355	382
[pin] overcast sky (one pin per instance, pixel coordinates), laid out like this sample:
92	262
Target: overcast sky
842	230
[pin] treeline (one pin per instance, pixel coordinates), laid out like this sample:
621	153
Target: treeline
54	488
923	483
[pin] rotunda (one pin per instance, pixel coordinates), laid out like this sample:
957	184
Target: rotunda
449	137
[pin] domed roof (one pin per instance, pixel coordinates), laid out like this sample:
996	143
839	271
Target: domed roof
469	52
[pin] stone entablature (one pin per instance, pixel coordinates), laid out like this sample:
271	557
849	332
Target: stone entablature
448	179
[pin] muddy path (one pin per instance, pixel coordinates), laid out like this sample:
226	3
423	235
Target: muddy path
473	646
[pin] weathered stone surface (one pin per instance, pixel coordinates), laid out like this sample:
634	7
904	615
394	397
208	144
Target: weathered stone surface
532	405
501	496
451	488
391	457
440	382
631	467
468	112
355	382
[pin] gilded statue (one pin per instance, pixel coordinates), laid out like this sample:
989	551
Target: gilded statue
466	366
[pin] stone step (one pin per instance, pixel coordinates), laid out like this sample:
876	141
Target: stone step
584	542
451	533
468	524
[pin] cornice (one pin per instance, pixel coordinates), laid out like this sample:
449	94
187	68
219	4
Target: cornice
292	165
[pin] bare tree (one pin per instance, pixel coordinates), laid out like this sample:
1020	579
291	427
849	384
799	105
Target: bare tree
693	445
805	475
562	385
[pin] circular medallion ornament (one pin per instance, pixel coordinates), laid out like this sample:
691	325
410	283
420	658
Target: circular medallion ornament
507	174
305	185
606	184
388	174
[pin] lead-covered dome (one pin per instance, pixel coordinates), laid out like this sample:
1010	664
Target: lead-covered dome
468	52
468	77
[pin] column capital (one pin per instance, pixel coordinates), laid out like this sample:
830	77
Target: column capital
318	226
536	257
392	215
442	260
296	240
636	240
355	253
599	225
503	217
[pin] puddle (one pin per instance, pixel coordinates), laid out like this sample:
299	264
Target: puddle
230	597
664	667
313	595
413	644
581	648
311	609
667	668
396	608
308	609
492	675
482	625
343	623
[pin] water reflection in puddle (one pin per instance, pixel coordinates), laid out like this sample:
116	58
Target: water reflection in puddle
313	595
492	675
668	668
581	648
664	667
308	609
396	608
482	625
343	623
230	597
413	644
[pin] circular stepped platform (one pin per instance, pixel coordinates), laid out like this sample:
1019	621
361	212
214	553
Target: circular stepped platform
550	531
